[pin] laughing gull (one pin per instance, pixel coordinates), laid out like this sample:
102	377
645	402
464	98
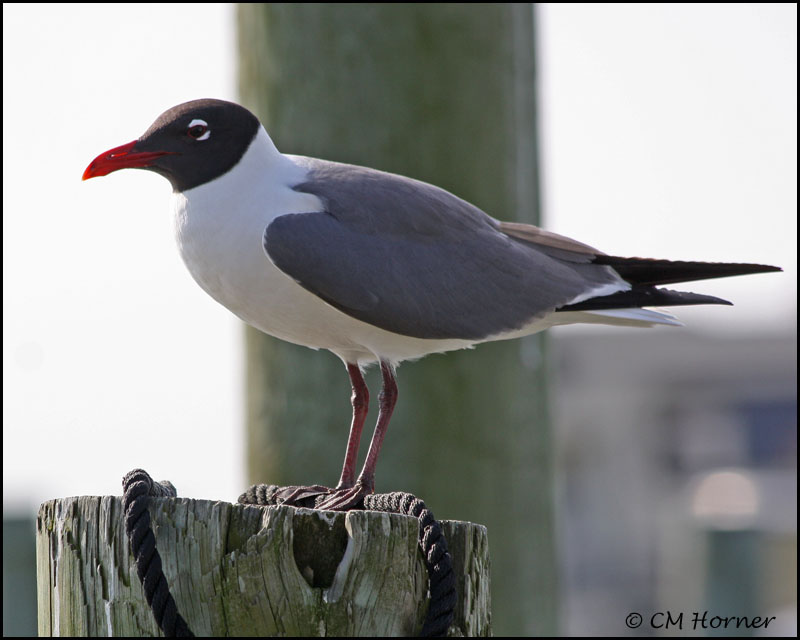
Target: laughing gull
375	267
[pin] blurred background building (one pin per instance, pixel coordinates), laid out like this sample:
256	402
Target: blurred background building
677	476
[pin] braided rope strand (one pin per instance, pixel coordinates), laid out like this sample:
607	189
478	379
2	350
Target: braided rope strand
138	488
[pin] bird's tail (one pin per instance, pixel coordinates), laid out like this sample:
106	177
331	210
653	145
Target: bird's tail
618	318
643	274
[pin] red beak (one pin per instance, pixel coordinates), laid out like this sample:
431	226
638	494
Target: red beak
121	157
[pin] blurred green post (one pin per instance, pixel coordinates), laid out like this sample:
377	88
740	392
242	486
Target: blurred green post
443	93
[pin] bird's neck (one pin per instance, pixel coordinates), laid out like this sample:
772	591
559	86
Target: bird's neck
246	198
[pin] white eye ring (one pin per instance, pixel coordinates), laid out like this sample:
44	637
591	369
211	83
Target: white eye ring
202	123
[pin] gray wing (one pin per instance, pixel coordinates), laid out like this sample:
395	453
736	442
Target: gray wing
416	260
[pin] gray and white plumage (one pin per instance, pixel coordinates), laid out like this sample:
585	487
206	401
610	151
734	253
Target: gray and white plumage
344	262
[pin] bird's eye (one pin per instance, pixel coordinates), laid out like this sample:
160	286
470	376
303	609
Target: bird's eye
198	129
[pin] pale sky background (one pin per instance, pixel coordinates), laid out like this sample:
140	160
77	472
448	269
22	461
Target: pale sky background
668	131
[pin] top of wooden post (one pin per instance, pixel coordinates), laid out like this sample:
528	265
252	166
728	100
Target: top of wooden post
244	570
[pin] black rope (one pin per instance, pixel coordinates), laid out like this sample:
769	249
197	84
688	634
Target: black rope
439	564
138	487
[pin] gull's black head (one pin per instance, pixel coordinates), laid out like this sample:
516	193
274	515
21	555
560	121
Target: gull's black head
190	144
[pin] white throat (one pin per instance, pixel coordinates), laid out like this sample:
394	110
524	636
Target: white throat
219	225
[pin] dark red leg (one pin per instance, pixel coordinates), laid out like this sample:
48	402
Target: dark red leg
350	498
387	400
360	400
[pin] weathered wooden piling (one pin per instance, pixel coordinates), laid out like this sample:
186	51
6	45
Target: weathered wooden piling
237	570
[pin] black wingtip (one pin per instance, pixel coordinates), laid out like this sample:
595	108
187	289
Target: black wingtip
763	268
650	272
